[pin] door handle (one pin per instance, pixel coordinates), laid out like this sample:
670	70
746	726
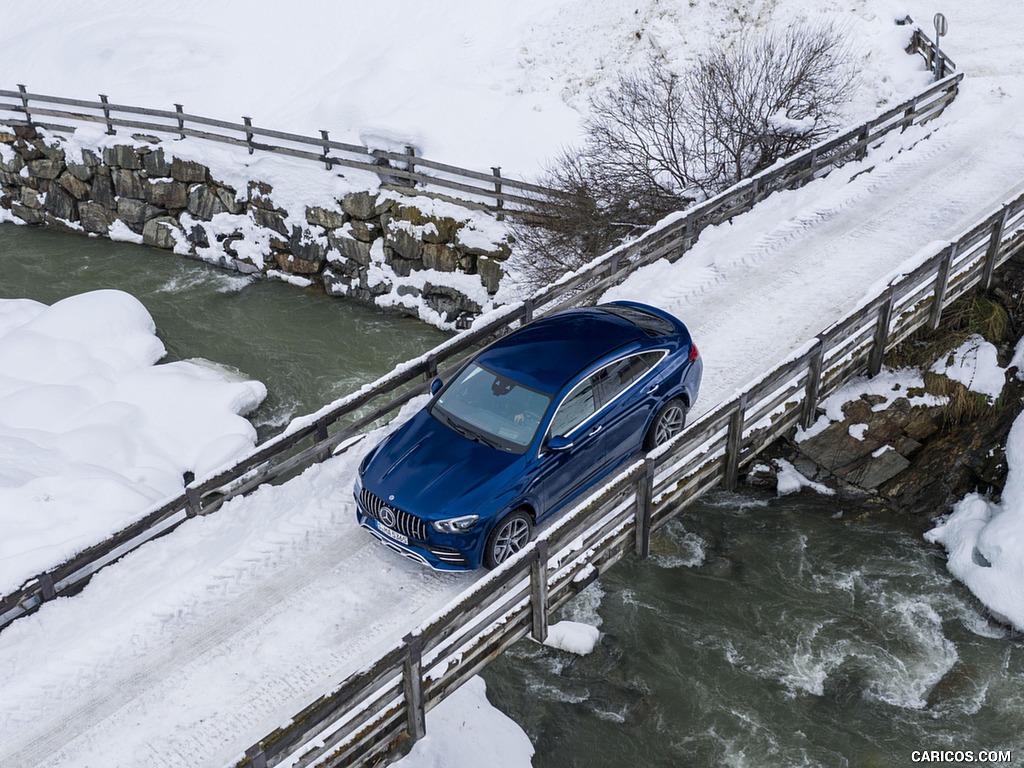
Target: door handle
595	430
651	389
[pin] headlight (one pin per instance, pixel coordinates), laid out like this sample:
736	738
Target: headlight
456	524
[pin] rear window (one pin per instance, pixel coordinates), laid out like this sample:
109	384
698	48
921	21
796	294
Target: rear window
650	324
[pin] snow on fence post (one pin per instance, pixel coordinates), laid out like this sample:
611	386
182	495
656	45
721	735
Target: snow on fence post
412	682
733	443
941	283
813	385
993	250
881	332
644	497
181	120
106	114
539	592
24	102
248	133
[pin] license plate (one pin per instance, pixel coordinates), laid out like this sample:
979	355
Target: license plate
391	533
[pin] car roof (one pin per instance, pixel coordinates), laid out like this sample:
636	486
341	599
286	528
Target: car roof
546	354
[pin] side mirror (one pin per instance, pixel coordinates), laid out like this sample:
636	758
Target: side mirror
559	443
435	386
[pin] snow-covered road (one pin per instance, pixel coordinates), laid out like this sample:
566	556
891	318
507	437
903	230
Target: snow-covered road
198	644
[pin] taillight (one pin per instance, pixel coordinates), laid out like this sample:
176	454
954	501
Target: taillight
694	352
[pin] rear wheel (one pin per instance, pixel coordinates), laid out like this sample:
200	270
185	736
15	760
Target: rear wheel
508	537
668	423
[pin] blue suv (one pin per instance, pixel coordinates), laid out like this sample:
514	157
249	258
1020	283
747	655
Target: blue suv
523	428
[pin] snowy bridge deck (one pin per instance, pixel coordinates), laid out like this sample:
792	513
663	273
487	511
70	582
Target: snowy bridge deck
242	618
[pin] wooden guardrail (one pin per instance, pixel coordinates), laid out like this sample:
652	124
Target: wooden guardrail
384	706
315	437
401	169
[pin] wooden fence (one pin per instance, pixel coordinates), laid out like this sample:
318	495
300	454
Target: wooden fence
383	707
315	437
490	191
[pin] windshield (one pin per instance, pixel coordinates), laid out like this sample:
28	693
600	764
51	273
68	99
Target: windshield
492	409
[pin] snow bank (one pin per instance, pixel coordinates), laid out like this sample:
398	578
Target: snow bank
465	731
92	432
985	540
974	365
789	480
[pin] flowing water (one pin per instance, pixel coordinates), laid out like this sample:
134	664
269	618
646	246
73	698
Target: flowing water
307	347
761	632
772	632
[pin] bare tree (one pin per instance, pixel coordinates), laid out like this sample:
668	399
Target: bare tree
659	141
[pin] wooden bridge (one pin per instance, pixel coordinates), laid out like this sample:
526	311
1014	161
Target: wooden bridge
384	706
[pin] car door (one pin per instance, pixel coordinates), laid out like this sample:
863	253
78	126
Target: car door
561	475
629	391
604	420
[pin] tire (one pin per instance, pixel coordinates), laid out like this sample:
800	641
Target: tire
668	422
510	535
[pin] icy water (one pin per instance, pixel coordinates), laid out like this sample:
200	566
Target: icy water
307	347
772	632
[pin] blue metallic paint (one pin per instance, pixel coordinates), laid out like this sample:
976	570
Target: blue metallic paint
434	473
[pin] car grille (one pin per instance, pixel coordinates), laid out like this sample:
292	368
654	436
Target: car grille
404	523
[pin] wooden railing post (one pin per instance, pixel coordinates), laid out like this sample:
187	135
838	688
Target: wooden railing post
181	120
325	138
321	436
862	139
248	133
539	592
47	585
908	115
992	254
941	284
881	332
496	170
194	504
813	385
24	102
256	756
527	311
733	444
106	114
412	682
644	497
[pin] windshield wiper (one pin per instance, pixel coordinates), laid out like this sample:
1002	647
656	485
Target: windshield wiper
469	434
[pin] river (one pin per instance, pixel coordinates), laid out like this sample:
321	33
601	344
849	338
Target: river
762	631
307	347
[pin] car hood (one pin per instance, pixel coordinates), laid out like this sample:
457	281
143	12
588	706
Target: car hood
434	472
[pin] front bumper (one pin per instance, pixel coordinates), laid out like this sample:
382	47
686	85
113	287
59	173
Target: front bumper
438	556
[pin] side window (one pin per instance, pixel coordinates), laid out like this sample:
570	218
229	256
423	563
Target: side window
615	378
577	407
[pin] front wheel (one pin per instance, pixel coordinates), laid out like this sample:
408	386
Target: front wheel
668	423
508	537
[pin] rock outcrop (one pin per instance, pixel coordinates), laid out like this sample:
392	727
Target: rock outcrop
397	252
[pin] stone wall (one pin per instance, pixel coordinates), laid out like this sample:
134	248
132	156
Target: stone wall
381	248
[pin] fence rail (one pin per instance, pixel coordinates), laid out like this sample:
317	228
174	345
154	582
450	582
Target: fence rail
492	191
315	437
517	600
